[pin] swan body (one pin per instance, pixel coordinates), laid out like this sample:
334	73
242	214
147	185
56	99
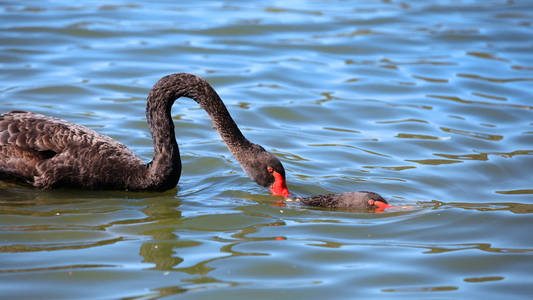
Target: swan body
48	152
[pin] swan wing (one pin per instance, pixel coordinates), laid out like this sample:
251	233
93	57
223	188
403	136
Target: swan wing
42	150
35	132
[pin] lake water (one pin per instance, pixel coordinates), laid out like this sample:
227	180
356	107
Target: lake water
428	103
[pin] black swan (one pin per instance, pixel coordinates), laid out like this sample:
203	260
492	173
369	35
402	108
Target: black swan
351	200
48	152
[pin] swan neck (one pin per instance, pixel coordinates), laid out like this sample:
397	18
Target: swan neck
165	168
158	112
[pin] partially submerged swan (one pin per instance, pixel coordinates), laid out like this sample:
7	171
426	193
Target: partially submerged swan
350	200
48	152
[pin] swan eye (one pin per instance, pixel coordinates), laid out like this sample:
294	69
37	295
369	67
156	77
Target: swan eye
270	170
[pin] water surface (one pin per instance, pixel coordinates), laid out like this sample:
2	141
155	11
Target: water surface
427	103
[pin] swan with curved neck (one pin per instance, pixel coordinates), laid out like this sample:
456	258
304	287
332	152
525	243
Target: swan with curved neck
48	152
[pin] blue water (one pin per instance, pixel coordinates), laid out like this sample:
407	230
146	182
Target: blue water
425	102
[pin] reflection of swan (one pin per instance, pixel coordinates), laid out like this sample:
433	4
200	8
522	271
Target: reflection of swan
48	152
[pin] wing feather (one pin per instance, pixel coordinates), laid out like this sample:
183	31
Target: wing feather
31	131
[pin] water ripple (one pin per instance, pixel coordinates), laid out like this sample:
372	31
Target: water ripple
426	103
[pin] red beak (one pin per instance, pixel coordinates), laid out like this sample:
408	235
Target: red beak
380	205
279	187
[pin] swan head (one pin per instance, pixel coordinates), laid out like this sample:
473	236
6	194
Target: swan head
279	187
266	170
